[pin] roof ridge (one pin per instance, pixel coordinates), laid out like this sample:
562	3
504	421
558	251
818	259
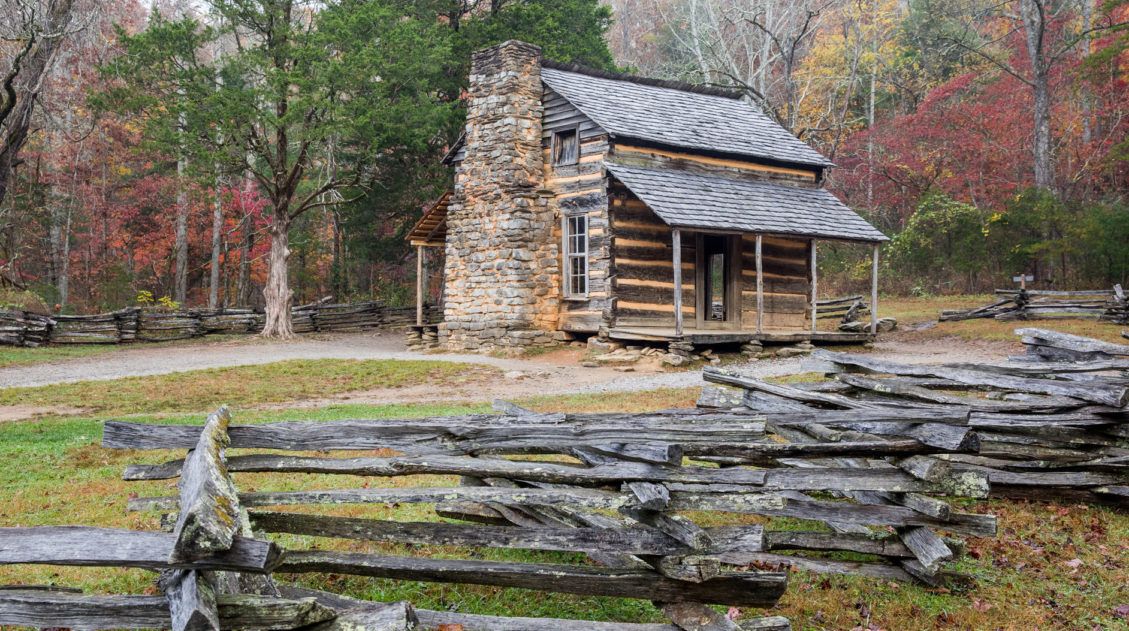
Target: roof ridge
729	93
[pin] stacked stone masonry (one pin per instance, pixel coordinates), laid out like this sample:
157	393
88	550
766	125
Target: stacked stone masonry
502	263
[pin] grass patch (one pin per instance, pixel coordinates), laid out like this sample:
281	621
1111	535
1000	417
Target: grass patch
13	356
242	386
911	312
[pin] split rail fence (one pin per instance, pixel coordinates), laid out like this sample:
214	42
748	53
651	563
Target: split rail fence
616	489
21	328
1023	304
1049	425
867	460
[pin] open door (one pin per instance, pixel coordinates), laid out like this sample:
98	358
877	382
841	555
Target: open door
716	282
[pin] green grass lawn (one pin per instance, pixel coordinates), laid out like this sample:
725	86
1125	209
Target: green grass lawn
242	386
1053	567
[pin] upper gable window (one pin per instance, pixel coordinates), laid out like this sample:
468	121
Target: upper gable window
566	147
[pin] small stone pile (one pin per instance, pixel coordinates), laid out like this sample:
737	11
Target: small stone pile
425	339
679	353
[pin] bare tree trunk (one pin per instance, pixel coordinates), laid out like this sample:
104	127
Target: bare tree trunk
246	244
870	109
21	84
217	243
180	291
279	296
59	236
246	241
1035	31
339	279
1087	96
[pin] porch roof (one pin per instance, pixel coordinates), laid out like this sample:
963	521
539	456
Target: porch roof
431	229
690	199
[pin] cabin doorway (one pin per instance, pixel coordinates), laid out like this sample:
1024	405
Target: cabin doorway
715	287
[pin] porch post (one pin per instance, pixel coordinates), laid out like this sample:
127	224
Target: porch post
419	285
676	241
814	290
874	291
760	288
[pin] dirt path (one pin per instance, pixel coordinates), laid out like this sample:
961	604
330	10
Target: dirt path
557	372
559	369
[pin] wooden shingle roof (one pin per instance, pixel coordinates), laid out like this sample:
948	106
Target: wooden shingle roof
708	120
690	199
431	229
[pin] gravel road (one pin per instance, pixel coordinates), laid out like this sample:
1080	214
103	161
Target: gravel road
537	375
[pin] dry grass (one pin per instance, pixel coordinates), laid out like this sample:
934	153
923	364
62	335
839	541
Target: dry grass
912	312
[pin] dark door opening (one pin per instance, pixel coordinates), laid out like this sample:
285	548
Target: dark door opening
715	281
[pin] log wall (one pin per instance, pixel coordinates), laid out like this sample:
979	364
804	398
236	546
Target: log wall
580	189
787	281
643	280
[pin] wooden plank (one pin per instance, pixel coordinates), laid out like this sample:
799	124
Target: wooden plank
846	542
760	284
209	507
634	540
899	388
719	162
419	285
108	547
874	290
814	290
929	549
822	510
829	566
192	601
656	453
540	471
466	434
727	377
676	239
1076	343
676	527
752	589
588	498
42	608
564	496
1115	396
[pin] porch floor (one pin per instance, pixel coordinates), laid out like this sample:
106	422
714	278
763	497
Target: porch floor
735	336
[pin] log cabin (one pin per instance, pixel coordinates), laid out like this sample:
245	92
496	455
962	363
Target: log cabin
591	203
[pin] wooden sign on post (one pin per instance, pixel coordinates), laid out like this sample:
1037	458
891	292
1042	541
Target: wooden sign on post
1023	279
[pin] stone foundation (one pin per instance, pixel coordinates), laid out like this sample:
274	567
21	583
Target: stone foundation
502	260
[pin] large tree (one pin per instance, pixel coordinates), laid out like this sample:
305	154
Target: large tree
36	27
304	85
1050	33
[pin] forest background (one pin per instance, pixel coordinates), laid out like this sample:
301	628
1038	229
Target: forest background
271	152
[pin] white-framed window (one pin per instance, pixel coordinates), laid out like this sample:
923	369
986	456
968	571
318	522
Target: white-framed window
576	256
566	147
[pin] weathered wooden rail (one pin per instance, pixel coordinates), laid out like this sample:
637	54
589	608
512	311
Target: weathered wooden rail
1024	304
1050	425
629	463
868	459
19	328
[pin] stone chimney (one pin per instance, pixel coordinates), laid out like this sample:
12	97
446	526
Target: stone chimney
502	269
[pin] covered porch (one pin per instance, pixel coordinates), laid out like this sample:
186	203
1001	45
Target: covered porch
742	258
722	306
429	234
